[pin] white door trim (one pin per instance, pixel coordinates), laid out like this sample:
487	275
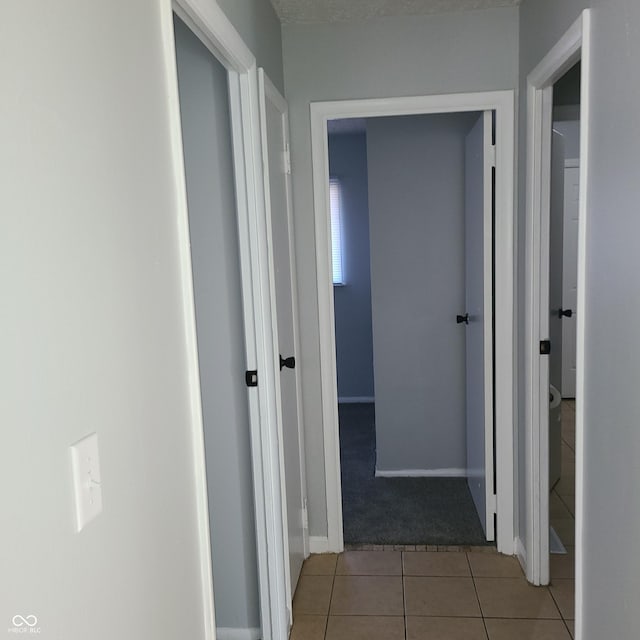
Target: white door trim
503	103
573	46
212	27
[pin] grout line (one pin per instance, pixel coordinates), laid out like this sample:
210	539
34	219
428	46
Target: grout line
404	599
333	582
567	627
548	588
475	589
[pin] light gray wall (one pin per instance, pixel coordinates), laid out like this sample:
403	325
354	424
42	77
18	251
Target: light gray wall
352	302
416	205
570	132
465	51
94	327
206	130
259	26
611	439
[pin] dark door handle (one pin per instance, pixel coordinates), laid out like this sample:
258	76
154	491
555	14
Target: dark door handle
289	362
464	318
564	313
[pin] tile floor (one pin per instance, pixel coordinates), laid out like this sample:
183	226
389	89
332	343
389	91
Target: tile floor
443	595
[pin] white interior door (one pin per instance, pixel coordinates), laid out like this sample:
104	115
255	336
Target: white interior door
570	278
479	161
275	138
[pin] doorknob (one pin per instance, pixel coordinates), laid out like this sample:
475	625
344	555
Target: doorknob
564	313
464	318
289	362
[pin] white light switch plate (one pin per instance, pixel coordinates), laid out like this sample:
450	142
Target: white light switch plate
86	480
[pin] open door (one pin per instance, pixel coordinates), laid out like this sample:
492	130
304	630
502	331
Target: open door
570	276
275	145
479	163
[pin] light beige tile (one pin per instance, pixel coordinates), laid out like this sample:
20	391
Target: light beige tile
435	563
557	508
570	502
313	595
566	530
514	598
367	596
567	453
365	628
446	597
323	564
485	565
569	436
571	625
422	628
563	592
527	630
369	563
566	486
307	627
563	565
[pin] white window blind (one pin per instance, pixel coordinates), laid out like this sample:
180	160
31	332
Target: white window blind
335	197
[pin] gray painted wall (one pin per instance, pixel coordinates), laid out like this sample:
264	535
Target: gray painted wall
611	439
352	302
416	55
216	276
95	326
570	132
416	205
259	26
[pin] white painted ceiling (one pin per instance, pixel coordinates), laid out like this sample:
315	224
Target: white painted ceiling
308	11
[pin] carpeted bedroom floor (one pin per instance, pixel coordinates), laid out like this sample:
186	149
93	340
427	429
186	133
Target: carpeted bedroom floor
398	510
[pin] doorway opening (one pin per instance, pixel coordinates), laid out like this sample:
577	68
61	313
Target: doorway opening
564	225
409	236
225	247
378	113
557	218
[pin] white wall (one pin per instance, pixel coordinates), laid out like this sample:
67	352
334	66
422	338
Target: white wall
611	439
259	27
352	302
466	51
95	322
416	207
204	107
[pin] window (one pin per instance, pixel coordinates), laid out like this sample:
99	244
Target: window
335	200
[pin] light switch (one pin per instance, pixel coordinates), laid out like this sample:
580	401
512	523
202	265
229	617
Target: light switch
86	480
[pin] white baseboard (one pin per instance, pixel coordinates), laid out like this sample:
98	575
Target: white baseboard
521	554
318	544
421	473
226	633
356	400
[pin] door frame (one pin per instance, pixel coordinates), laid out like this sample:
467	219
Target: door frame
574	45
210	24
503	103
268	90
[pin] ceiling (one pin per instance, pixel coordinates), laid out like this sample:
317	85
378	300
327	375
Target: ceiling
309	11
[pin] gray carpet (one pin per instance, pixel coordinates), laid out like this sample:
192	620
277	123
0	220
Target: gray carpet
398	510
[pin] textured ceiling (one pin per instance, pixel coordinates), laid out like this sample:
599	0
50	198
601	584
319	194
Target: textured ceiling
354	10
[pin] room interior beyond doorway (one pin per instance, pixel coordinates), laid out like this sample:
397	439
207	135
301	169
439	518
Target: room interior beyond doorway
408	223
